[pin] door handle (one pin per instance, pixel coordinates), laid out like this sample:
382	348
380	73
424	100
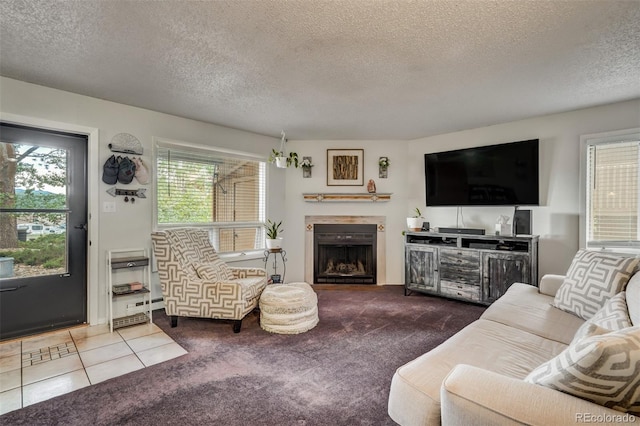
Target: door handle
82	226
2	290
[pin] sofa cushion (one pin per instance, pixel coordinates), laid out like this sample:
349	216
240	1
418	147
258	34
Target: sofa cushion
602	369
591	280
613	316
633	298
589	329
523	307
415	387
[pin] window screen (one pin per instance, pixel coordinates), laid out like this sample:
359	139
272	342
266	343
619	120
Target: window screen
612	193
222	192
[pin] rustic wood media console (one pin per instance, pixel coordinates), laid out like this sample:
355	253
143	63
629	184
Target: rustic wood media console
475	268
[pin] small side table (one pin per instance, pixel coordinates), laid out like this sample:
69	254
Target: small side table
276	278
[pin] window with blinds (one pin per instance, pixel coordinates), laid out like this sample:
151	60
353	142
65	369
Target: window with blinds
612	202
222	192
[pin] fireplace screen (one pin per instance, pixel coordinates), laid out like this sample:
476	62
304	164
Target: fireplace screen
345	254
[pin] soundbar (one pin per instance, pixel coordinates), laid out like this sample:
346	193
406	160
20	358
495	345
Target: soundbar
471	231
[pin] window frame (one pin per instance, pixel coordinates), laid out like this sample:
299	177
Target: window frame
585	142
213	227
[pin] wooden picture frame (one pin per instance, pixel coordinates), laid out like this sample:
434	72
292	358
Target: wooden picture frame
345	167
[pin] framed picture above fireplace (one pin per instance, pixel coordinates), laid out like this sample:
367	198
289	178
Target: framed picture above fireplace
345	167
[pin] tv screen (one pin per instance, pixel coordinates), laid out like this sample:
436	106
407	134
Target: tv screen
494	175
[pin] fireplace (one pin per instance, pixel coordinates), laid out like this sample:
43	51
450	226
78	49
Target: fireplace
378	251
345	254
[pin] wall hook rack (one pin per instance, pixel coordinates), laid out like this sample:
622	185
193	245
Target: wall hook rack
140	192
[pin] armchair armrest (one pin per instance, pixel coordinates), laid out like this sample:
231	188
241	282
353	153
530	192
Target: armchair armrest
549	284
471	395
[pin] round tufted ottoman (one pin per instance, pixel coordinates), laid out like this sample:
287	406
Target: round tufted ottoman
288	308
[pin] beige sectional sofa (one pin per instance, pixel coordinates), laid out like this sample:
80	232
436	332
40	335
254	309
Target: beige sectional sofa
476	376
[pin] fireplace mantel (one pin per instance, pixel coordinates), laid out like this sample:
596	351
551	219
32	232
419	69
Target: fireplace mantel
324	197
381	247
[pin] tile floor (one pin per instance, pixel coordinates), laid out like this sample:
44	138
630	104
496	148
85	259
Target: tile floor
40	367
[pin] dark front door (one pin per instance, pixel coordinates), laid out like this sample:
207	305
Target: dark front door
43	238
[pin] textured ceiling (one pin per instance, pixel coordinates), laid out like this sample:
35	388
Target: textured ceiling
351	69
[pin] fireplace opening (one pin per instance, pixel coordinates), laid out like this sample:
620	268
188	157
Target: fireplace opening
344	254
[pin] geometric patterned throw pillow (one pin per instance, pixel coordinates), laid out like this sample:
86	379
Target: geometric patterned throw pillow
592	279
602	369
613	316
214	272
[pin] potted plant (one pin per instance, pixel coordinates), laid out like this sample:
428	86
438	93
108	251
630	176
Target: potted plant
414	223
306	165
280	157
273	229
383	165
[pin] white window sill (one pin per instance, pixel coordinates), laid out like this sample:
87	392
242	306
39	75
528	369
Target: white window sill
241	257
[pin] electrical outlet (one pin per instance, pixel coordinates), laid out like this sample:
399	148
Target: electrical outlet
109	207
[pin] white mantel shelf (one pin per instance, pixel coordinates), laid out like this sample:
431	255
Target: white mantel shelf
324	197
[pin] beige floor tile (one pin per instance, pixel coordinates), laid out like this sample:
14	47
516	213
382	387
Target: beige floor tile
46	370
114	368
10	348
151	341
10	400
94	330
105	353
160	354
136	331
54	386
48	340
10	380
92	342
8	363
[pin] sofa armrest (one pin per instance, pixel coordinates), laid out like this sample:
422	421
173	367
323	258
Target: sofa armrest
471	395
549	284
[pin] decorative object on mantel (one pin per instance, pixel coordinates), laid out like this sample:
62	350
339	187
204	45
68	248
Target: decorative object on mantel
273	229
127	143
383	165
414	223
371	187
346	197
129	194
280	157
306	165
345	167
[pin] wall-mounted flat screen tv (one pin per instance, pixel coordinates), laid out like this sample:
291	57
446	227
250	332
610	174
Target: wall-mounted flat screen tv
494	175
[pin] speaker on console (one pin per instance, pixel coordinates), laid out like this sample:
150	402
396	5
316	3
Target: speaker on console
522	222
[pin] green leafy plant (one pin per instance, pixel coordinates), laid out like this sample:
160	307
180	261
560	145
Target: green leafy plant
417	213
273	229
384	162
292	158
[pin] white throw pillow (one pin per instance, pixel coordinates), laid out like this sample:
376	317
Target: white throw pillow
633	298
613	316
591	280
602	369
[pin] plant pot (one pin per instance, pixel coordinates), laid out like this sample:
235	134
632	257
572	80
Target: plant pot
414	223
281	162
274	244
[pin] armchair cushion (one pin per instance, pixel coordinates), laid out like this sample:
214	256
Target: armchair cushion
215	271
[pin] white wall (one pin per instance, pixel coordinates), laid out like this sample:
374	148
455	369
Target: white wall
394	210
556	219
132	224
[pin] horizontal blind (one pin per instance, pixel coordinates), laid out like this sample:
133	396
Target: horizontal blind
208	188
612	194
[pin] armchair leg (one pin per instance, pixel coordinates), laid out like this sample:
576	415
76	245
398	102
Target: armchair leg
174	321
236	326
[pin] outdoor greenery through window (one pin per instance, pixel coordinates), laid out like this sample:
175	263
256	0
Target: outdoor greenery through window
613	204
218	191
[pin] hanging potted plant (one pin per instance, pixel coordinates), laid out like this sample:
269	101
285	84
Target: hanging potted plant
414	223
273	230
280	158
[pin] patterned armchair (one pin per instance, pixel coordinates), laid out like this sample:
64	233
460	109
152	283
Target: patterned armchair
196	283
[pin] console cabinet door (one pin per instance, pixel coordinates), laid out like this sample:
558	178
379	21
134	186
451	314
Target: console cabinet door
500	271
421	270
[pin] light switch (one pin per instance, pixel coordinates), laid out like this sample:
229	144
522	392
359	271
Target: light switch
109	207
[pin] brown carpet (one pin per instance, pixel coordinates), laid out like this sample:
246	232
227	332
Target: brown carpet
339	373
